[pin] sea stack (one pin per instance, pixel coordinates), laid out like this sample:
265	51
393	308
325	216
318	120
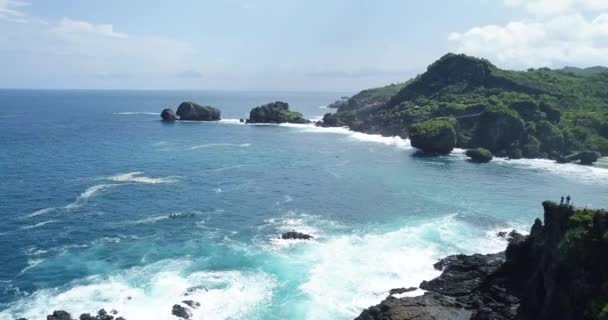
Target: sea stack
168	115
195	112
275	112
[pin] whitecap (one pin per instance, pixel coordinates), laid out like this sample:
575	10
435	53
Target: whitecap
137	113
137	177
32	263
350	272
210	145
582	173
150	292
40	212
231	121
87	194
40	224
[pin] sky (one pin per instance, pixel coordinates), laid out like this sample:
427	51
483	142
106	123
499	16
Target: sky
306	45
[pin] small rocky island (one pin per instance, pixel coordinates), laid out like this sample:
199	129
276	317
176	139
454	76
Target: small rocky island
275	112
559	271
191	111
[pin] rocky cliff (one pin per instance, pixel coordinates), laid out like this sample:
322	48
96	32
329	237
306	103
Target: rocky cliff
559	271
539	113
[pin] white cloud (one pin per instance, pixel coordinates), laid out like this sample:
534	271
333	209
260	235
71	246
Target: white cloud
576	36
69	26
10	10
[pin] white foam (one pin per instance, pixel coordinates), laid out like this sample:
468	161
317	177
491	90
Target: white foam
149	293
40	212
40	224
87	194
582	173
137	113
232	121
137	177
351	272
32	263
210	145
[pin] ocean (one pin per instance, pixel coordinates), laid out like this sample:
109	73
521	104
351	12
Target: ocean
88	180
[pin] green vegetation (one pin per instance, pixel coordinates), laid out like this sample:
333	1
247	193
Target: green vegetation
479	155
193	111
536	113
435	136
275	112
584	251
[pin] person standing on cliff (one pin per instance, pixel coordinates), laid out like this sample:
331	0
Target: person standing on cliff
568	199
561	202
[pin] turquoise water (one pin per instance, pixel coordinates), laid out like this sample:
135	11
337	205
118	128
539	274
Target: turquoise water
88	179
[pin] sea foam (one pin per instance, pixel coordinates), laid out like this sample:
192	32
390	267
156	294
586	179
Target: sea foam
150	292
138	177
87	194
211	145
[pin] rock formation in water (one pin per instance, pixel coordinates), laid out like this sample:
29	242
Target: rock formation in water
480	155
293	235
196	112
101	315
540	113
434	136
168	115
559	271
275	112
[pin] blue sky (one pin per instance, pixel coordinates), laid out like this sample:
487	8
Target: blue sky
312	45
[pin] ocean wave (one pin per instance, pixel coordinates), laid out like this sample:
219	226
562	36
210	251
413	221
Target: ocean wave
232	121
40	224
385	259
210	145
31	263
40	212
87	194
582	173
150	292
137	113
137	177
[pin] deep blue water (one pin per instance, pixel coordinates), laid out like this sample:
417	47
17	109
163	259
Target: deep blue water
88	179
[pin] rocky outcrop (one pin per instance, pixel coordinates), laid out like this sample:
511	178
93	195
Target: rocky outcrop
275	112
168	115
559	271
293	235
480	155
101	315
181	312
584	157
434	136
196	112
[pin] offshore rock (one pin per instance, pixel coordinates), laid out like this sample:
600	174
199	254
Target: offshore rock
434	136
181	312
275	112
293	235
196	112
480	155
168	115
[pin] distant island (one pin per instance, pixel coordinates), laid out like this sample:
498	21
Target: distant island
466	102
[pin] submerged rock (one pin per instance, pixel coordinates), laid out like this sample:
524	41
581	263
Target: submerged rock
480	155
191	304
181	312
275	112
293	235
196	112
168	115
59	315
